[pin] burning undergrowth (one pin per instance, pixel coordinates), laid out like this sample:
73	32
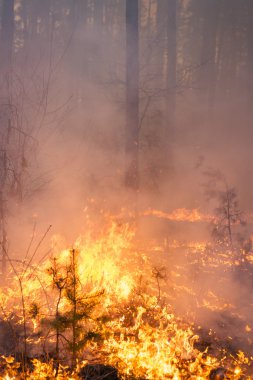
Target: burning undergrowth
108	308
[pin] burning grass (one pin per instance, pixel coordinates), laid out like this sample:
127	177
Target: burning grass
103	302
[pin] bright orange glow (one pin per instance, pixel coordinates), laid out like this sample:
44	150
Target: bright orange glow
140	335
180	215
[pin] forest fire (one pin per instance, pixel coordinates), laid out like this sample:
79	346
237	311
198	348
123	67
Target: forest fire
126	209
87	307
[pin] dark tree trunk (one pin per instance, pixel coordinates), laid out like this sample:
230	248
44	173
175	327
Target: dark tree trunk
132	95
167	12
171	67
250	61
7	33
208	56
161	33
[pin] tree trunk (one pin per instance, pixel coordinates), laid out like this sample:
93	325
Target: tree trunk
250	62
161	35
171	67
208	58
169	10
7	33
6	44
132	96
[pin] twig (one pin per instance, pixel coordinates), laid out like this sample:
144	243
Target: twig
35	251
31	241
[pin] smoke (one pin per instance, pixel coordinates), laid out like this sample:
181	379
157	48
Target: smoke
72	84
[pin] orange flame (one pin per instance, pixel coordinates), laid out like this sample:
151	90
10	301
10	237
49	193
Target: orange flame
180	215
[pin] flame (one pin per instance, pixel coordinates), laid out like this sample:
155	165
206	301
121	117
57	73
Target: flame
140	336
166	351
181	215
